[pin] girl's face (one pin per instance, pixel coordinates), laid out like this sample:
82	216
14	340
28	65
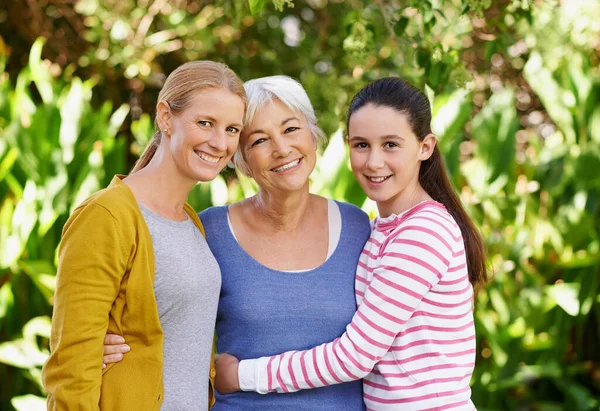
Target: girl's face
204	137
386	156
279	148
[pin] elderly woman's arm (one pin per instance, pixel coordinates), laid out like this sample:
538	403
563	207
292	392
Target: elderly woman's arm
92	263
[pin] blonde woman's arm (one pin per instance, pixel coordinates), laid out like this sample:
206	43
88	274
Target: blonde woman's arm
93	259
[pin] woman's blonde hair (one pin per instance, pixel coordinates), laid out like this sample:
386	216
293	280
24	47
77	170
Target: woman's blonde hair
178	92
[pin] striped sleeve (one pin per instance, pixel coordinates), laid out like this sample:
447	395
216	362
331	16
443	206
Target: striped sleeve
409	265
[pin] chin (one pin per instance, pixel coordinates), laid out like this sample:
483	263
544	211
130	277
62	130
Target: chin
377	197
203	176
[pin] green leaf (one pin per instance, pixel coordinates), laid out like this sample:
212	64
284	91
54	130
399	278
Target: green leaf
256	5
28	402
40	74
117	119
400	26
566	296
550	93
42	273
6	299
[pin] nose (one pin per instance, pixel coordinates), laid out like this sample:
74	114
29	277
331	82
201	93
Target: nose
375	160
218	141
281	148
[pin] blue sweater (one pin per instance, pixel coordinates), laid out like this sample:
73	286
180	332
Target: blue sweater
265	312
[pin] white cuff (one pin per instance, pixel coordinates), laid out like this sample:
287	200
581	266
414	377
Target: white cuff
253	375
246	376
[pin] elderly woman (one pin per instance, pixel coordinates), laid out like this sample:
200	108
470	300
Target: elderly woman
287	256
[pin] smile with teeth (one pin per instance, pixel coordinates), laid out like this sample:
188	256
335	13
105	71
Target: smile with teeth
378	179
287	166
207	157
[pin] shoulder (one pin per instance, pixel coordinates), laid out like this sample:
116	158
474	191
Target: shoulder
212	214
425	232
110	211
434	219
353	211
355	223
213	220
114	202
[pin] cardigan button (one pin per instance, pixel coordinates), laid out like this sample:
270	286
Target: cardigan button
213	373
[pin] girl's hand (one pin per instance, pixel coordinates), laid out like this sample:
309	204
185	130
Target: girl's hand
226	380
114	349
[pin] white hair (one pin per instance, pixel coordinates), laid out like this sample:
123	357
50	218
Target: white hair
263	91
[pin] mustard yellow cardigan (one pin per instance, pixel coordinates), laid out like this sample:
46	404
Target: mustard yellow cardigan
105	285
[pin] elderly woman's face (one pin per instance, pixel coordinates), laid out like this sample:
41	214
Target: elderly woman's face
279	148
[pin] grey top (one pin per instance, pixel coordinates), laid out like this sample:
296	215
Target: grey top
187	283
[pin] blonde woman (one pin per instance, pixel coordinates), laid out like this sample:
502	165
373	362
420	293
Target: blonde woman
133	261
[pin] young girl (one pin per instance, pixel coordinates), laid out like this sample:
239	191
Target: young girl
412	339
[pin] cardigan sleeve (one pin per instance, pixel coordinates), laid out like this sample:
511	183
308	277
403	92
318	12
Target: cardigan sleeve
92	263
400	282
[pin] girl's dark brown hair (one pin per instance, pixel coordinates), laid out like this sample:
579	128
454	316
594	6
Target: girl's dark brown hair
401	96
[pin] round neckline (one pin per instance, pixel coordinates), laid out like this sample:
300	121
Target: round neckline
395	219
174	223
298	272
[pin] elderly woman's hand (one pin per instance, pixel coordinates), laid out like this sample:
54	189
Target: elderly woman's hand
114	349
226	380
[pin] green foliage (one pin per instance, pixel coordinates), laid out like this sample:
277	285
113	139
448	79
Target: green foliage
521	140
56	150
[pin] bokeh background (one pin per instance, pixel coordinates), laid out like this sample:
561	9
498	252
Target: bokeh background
515	91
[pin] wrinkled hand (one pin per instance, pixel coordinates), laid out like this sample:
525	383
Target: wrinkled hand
114	349
226	380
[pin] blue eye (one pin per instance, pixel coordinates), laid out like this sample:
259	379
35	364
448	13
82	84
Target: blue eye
205	123
233	130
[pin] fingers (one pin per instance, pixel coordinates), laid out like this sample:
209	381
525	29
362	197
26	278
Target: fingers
113	339
109	359
114	349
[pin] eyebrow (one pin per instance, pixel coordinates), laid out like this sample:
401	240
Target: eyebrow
289	119
385	137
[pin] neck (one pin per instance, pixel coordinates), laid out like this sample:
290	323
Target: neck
284	210
161	186
405	200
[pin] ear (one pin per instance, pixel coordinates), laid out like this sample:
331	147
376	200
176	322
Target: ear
426	147
164	118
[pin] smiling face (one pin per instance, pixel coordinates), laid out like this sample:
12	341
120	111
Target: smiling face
205	135
278	148
386	156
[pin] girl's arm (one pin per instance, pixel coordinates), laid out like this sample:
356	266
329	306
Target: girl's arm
92	262
412	262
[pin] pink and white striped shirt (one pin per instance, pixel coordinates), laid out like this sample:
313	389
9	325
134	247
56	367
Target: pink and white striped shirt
412	339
